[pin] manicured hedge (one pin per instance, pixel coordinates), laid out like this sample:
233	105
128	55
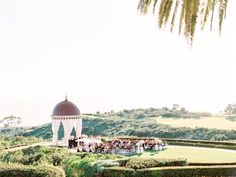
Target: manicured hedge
140	163
201	141
213	171
188	142
219	146
180	140
118	172
14	170
211	164
188	171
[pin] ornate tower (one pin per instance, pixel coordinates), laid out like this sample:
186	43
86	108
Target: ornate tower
69	115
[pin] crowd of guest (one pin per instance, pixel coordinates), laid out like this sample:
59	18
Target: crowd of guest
115	146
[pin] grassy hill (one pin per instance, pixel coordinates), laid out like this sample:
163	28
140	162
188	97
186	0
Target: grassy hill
217	122
122	125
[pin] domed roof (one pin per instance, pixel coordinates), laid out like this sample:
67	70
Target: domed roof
65	108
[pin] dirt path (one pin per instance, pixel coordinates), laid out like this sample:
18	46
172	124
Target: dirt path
24	147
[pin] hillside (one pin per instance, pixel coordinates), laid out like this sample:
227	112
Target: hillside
115	125
217	122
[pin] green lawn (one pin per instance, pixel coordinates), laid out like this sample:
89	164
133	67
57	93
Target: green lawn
193	154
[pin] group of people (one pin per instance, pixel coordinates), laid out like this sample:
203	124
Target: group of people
115	146
84	140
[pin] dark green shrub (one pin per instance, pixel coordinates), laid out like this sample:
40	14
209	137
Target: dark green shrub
139	163
212	171
57	159
211	164
87	164
13	170
200	144
118	172
35	155
231	118
141	116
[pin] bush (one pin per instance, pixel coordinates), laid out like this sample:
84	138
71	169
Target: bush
208	144
213	171
188	171
140	163
219	137
35	155
141	116
170	115
14	170
231	118
87	164
118	172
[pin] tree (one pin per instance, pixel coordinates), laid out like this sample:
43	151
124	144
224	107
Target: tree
230	109
141	116
191	12
175	107
183	111
11	121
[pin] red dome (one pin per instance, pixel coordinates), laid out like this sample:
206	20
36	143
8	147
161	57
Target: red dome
65	108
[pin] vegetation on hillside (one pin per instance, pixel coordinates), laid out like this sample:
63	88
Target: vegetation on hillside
136	122
10	121
15	141
144	127
176	111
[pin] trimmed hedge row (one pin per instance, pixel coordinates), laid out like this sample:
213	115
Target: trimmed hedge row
219	146
201	141
140	163
186	142
210	164
14	170
180	140
188	171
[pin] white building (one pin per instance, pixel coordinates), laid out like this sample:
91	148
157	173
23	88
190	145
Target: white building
69	115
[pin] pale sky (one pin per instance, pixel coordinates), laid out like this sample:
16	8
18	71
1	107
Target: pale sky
105	56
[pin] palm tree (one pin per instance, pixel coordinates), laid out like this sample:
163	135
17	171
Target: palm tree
190	12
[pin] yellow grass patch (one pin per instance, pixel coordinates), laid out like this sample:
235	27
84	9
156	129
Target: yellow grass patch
206	122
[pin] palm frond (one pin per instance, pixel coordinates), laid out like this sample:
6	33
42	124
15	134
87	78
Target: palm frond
144	5
183	10
212	13
174	15
192	13
154	6
164	11
222	12
207	12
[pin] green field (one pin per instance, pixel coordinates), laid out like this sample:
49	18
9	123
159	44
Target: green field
195	154
219	122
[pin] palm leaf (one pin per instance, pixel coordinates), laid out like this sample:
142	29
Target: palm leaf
191	12
174	15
